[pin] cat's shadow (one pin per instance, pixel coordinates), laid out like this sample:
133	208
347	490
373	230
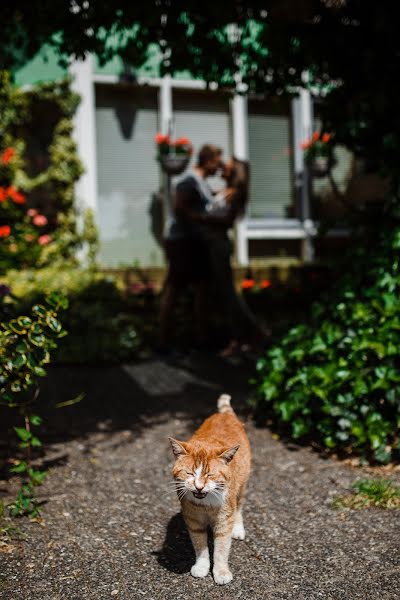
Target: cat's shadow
177	553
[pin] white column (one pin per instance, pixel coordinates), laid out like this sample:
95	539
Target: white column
240	127
306	114
165	105
85	132
166	127
304	130
241	151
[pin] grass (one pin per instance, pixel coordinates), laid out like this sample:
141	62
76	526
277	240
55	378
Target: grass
370	493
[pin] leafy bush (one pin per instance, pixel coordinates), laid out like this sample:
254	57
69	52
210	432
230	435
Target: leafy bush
39	167
102	323
337	381
25	346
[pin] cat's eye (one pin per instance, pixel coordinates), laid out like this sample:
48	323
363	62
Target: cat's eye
188	473
210	474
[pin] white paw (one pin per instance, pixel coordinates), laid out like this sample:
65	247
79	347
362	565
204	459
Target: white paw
200	569
222	576
238	532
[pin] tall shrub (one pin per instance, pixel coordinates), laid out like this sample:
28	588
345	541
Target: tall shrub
337	380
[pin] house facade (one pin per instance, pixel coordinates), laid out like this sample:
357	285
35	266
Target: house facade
119	114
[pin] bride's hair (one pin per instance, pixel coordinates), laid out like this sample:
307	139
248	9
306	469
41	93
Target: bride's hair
239	179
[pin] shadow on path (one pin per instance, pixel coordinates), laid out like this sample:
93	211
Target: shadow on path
129	397
177	553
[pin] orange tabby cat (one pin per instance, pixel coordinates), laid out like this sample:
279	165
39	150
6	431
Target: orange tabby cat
211	473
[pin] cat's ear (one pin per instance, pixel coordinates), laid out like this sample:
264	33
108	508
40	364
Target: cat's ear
178	448
227	455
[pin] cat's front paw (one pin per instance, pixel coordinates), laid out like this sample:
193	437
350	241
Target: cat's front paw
222	576
238	532
200	569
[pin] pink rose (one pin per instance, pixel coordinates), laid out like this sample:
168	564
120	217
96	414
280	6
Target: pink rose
39	220
32	212
44	240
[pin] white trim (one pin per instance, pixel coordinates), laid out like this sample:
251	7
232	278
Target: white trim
151	81
279	229
85	132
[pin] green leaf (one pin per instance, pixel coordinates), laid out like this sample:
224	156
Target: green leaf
23	434
21	467
19	361
35	420
37	339
39	371
39	310
22	347
35	442
53	324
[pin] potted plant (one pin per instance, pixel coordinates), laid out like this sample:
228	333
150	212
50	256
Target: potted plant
174	155
318	153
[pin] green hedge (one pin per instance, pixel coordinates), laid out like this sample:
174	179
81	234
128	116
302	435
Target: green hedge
336	381
102	323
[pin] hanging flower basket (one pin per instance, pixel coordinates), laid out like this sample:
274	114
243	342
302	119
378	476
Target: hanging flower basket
173	156
318	154
320	166
174	164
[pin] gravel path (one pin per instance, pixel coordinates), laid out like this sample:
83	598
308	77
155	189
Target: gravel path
112	527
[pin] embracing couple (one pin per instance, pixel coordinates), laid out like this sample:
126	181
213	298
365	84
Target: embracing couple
198	248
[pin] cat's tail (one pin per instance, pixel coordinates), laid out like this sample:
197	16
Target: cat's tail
224	404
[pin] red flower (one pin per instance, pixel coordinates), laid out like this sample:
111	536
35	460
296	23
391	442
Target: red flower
315	136
326	137
247	284
305	145
265	284
5	230
3	194
161	138
15	195
7	155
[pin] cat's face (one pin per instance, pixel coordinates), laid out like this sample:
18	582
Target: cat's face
201	473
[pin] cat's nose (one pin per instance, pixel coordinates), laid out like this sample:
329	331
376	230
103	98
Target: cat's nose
199	486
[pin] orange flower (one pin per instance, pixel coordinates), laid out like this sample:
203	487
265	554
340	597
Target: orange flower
7	156
305	145
161	138
315	136
182	141
326	137
5	230
265	284
15	195
247	284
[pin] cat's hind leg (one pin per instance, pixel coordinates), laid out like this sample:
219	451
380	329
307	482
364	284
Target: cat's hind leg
238	532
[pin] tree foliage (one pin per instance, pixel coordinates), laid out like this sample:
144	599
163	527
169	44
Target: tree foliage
352	43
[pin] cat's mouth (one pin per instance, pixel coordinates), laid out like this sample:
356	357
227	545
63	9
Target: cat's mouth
199	495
